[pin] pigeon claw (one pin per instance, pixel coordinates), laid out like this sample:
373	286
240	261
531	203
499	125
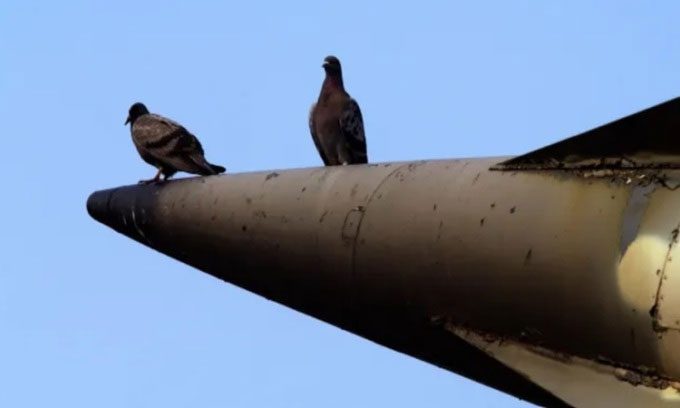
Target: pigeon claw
149	181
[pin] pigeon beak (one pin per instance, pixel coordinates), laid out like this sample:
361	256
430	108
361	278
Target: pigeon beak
127	120
325	64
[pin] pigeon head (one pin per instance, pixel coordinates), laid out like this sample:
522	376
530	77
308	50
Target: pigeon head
136	110
331	65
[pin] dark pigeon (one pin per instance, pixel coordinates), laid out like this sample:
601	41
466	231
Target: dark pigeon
167	145
335	121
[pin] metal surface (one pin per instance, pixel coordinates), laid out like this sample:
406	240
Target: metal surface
559	285
430	257
647	139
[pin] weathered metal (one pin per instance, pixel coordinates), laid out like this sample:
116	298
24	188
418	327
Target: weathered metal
558	287
646	139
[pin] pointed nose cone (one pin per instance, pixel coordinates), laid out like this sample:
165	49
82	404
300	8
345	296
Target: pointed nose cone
566	276
371	249
124	209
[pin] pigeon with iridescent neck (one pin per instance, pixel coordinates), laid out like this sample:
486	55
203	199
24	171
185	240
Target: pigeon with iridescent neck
335	121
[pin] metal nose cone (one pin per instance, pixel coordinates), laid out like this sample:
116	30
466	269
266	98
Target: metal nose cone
551	279
522	281
307	239
124	209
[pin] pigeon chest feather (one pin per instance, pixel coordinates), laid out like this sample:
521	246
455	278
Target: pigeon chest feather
328	118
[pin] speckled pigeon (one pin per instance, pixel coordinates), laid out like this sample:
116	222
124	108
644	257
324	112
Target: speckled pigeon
167	145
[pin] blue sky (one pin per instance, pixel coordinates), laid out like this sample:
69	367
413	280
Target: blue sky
90	318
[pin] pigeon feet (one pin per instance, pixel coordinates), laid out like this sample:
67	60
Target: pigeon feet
149	181
156	179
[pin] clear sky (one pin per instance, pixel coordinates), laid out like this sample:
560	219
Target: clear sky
90	318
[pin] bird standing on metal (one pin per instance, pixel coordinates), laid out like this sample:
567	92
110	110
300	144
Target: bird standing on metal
167	145
335	121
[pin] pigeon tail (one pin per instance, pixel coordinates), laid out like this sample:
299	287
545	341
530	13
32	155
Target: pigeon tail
203	167
217	168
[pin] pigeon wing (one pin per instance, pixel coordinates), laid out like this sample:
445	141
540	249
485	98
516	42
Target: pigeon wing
170	144
352	127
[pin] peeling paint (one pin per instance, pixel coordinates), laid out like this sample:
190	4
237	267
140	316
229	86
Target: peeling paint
636	378
635	375
654	311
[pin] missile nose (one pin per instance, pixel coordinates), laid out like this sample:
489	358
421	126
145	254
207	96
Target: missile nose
97	205
127	210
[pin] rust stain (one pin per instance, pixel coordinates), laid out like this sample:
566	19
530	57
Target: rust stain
654	310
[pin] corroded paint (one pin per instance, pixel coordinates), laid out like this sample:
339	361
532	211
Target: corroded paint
580	382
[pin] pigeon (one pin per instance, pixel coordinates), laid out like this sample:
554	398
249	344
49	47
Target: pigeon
335	121
167	145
